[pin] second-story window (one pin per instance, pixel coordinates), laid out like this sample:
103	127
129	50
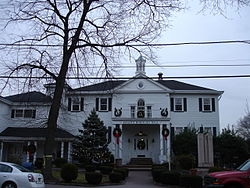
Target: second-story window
75	104
140	108
23	113
207	104
149	111
178	104
132	111
103	104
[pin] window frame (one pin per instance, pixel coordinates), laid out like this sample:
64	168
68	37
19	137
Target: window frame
106	104
149	112
75	101
19	113
178	99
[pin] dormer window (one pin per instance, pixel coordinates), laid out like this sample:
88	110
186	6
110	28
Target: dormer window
75	104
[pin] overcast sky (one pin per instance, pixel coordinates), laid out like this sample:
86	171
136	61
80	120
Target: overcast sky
190	26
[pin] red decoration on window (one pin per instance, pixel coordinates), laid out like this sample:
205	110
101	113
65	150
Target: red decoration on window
117	133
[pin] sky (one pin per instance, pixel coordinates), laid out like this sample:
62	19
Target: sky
191	26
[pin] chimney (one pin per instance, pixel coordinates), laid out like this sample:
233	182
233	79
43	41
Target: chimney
160	74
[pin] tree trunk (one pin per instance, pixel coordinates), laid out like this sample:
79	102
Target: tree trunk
50	143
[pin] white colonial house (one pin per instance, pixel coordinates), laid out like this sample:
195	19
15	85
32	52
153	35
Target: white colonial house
141	114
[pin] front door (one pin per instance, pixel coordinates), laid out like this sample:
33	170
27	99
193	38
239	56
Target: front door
141	146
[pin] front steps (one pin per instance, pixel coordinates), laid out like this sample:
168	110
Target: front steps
140	164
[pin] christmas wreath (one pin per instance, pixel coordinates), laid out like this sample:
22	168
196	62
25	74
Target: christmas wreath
165	133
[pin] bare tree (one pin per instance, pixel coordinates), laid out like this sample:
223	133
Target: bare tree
62	35
243	127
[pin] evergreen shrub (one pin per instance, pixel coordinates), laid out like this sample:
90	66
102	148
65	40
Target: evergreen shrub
191	181
216	169
90	168
157	172
170	177
59	162
69	172
115	177
186	162
123	171
106	169
94	178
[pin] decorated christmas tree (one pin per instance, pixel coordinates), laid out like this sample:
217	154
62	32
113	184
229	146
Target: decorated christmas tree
91	145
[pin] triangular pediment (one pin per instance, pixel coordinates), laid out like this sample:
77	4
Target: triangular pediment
141	83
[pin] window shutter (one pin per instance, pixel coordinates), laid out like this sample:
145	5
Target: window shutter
97	104
172	104
214	131
213	104
69	104
185	104
82	104
110	104
200	104
12	113
33	113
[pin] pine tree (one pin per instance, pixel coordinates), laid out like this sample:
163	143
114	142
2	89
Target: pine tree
92	145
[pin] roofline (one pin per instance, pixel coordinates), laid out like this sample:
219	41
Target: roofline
199	92
16	138
6	101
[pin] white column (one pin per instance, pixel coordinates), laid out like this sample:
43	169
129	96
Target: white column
1	152
62	149
27	154
34	158
69	152
161	157
120	144
169	147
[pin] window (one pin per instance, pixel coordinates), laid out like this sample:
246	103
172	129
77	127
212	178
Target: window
207	104
103	104
149	111
5	168
75	104
178	104
140	108
132	111
23	113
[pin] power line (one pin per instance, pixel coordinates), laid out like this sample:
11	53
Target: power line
126	78
134	45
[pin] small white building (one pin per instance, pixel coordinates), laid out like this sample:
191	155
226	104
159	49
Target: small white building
146	112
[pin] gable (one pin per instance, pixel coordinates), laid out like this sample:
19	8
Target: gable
141	85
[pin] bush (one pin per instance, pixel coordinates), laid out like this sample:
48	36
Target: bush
106	169
59	162
157	172
69	172
216	169
39	163
170	177
115	177
94	178
90	168
186	162
191	181
123	171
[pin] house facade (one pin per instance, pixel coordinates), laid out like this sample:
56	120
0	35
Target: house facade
141	115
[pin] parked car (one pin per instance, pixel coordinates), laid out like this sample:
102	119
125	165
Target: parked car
240	178
15	176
